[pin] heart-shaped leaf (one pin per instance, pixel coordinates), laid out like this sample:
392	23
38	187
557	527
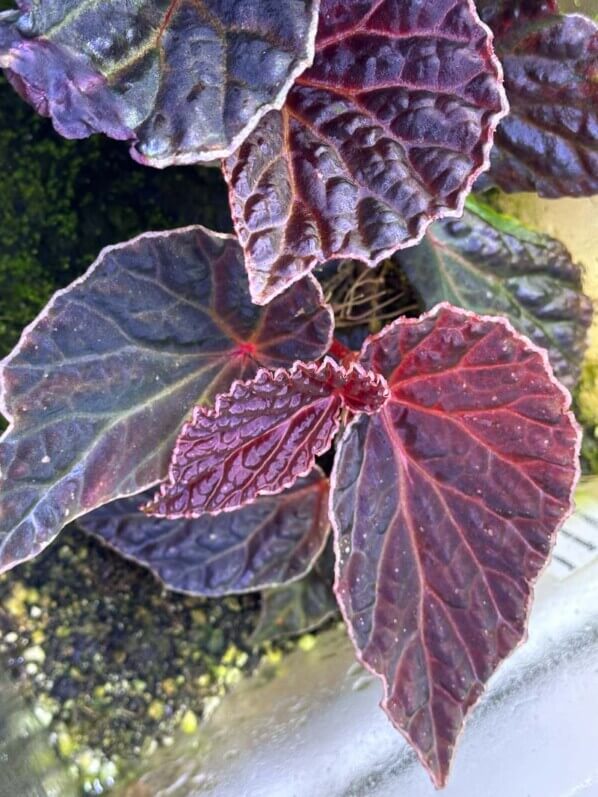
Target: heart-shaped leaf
261	436
271	542
549	141
100	384
445	507
301	606
383	134
184	81
489	263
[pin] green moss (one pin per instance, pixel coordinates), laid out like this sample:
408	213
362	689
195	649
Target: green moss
62	201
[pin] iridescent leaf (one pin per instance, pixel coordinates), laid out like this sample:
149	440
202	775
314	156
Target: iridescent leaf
271	542
100	384
261	436
183	81
489	263
383	134
549	141
445	507
301	606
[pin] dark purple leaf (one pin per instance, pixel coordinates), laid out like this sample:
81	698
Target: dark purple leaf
445	509
301	606
489	263
501	15
261	436
100	384
271	542
183	81
549	141
383	134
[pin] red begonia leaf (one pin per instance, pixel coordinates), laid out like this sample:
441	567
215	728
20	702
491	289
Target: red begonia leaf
383	134
271	542
102	381
183	81
549	141
261	436
445	507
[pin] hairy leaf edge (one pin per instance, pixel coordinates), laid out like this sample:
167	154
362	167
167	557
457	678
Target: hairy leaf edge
207	158
442	213
5	363
276	105
567	401
323	486
215	410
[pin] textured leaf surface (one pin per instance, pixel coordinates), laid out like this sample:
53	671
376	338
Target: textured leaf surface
261	436
184	80
384	133
301	606
445	508
273	541
549	141
488	263
101	382
501	15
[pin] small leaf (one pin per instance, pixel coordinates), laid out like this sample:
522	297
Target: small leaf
271	542
100	384
262	436
383	134
445	507
549	141
184	81
488	263
301	606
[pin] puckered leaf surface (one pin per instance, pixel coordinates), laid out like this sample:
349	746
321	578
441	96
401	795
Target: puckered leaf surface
501	15
489	263
445	508
100	384
261	436
549	141
384	133
301	606
186	81
272	541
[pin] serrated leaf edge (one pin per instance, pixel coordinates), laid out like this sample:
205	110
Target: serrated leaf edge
567	400
322	485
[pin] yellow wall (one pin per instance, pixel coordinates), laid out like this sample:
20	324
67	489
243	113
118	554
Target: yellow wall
575	223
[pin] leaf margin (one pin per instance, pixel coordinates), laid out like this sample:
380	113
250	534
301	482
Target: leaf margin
322	483
213	412
567	411
90	271
484	167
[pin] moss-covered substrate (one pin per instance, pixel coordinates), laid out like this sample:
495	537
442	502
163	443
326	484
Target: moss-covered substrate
62	201
113	664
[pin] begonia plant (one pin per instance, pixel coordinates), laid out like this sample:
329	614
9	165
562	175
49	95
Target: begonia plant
176	398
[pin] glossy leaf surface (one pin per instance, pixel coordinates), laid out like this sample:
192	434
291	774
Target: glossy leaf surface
549	141
101	382
488	263
301	606
384	133
273	541
261	436
184	81
445	508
